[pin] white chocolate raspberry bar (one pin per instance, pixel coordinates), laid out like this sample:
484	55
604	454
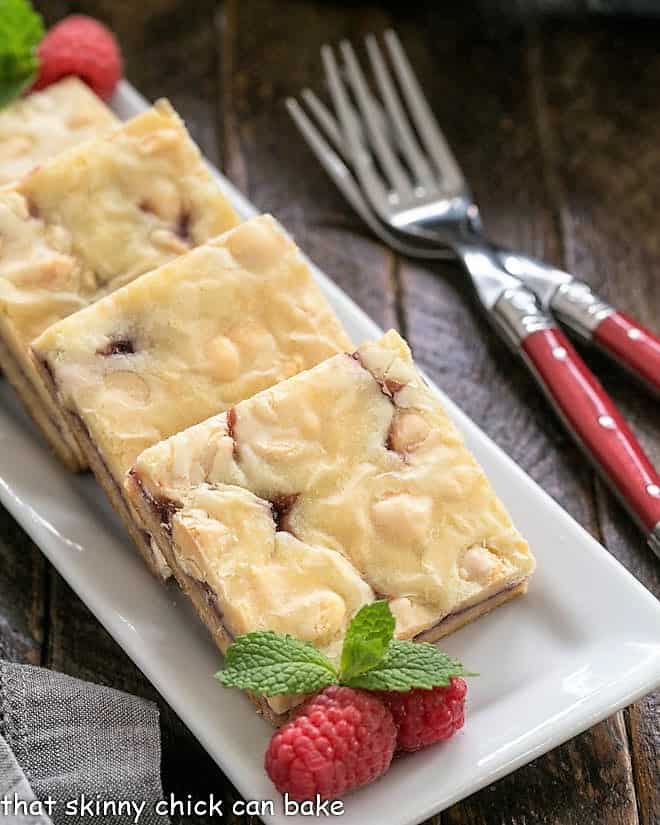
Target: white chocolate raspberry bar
88	222
344	484
35	128
182	343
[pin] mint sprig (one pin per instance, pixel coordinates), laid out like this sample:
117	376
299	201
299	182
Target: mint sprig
366	640
271	664
21	31
408	665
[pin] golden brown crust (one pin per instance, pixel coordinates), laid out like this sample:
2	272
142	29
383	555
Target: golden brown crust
62	446
193	590
219	633
133	521
94	460
453	623
153	200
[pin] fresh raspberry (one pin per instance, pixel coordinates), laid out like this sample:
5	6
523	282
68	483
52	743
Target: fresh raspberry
423	716
81	46
340	739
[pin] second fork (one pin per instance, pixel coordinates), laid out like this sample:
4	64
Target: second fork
410	179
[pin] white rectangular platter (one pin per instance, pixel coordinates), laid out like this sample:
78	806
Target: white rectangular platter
583	643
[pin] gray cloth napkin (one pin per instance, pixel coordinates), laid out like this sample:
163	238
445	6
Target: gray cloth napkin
77	743
15	788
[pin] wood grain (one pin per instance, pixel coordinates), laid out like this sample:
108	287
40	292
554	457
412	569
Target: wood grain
431	305
513	184
23	577
259	71
603	125
445	326
601	130
643	725
555	123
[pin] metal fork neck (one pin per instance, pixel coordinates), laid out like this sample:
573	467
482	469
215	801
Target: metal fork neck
458	220
512	307
484	267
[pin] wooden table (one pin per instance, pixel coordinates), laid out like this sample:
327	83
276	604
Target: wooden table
557	124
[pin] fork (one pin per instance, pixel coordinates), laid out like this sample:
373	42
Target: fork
588	316
411	192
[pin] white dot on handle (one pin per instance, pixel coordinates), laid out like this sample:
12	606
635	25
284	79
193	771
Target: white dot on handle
559	353
634	333
607	421
653	490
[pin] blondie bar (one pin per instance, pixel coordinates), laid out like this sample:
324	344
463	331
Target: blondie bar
35	128
88	222
182	343
344	484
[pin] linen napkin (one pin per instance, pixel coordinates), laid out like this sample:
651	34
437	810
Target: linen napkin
75	743
15	787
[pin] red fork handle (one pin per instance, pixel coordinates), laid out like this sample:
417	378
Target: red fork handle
635	347
595	422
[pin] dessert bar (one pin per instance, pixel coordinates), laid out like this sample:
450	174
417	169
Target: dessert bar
346	483
35	128
182	343
88	222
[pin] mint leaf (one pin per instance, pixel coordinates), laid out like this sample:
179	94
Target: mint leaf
408	665
270	664
21	30
11	90
366	641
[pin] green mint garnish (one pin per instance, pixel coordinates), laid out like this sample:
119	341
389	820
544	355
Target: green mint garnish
408	665
21	30
367	639
270	664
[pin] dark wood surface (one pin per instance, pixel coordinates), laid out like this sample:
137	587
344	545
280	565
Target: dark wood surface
556	121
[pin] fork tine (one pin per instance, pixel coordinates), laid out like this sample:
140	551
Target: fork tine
427	126
360	156
330	125
386	157
349	188
325	118
406	139
326	155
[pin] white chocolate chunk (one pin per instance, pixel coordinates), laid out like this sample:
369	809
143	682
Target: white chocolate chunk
223	358
409	430
189	340
227	539
406	517
478	564
35	128
383	501
94	219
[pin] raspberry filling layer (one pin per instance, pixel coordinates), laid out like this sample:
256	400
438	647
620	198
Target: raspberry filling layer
211	598
119	346
281	507
463	610
163	506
